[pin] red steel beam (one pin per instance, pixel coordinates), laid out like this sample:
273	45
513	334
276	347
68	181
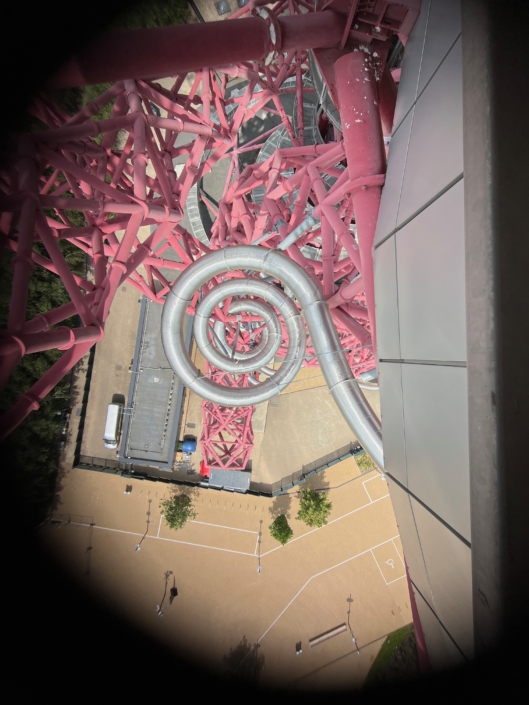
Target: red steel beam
366	157
166	51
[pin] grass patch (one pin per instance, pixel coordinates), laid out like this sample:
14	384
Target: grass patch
386	654
364	462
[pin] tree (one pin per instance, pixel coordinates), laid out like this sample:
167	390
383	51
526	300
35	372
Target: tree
32	450
280	529
314	508
245	661
177	510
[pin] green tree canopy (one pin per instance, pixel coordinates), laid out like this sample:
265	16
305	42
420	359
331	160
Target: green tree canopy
177	510
31	451
314	508
280	529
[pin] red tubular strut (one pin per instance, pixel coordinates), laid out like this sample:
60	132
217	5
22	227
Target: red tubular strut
364	148
166	51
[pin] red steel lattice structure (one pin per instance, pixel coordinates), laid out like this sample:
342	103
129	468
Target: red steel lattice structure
313	194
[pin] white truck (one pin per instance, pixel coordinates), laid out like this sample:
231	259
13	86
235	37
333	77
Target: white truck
113	425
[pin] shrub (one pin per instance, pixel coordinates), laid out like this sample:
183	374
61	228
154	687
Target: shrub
314	509
177	510
364	462
280	529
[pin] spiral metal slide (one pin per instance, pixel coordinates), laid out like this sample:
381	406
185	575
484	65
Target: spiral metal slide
342	385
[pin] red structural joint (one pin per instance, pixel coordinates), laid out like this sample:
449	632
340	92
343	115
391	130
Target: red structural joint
32	403
10	344
26	259
365	182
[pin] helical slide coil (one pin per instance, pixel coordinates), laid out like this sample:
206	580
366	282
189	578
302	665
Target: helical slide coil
314	310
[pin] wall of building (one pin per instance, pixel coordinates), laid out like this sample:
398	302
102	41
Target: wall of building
421	329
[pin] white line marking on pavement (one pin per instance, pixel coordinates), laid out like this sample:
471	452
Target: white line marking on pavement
317	575
378	566
161	538
159	526
323	527
365	489
227	550
199	545
401	558
220	526
377	477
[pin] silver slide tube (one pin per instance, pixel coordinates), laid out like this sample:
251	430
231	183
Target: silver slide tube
270	341
333	363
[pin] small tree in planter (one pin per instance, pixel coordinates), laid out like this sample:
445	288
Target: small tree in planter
280	529
314	508
177	510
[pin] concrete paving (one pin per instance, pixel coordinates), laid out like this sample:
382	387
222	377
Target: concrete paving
350	571
306	425
292	430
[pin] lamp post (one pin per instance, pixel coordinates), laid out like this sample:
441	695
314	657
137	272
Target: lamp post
353	638
355	643
138	545
159	610
259	567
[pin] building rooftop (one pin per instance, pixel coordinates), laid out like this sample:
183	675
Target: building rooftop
150	426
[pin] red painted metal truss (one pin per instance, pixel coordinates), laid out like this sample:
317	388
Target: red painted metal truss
137	178
226	441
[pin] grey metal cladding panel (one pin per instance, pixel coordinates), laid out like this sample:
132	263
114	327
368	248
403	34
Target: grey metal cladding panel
411	64
436	430
435	153
389	204
444	26
392	420
441	650
410	541
234	479
385	271
448	561
151	410
152	353
431	281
